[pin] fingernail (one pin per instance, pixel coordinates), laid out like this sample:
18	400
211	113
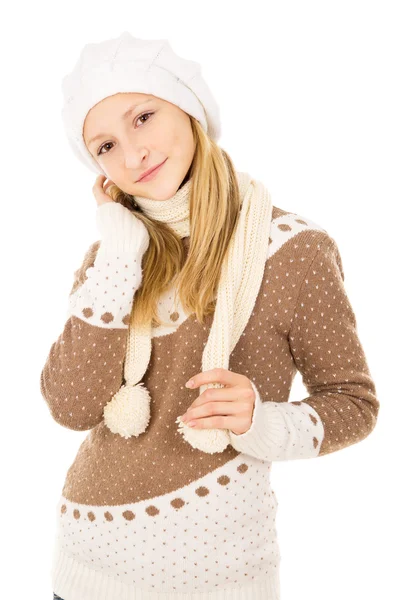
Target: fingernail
189	383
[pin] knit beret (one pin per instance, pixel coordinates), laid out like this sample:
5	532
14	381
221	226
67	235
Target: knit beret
130	64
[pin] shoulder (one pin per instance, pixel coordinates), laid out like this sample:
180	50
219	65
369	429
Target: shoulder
305	239
303	234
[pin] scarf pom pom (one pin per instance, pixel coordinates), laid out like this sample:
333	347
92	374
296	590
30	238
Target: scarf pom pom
128	412
206	440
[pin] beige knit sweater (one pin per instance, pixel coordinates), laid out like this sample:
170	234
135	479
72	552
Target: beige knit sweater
151	517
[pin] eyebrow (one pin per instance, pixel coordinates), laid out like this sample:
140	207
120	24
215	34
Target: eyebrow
124	117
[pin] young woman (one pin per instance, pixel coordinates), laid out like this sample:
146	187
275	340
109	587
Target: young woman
196	278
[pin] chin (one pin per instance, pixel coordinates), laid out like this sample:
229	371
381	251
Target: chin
158	192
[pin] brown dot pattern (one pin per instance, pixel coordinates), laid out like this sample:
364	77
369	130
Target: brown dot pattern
107	317
128	515
153	510
146	547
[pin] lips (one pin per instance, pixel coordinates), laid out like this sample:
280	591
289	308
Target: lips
152	173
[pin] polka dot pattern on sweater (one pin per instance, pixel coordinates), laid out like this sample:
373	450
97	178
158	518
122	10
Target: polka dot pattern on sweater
181	530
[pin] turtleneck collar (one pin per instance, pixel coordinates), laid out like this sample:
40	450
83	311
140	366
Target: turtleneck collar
174	211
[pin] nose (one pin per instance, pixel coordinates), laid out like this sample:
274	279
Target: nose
134	157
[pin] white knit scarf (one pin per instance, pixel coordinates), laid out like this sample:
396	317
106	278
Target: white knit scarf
128	413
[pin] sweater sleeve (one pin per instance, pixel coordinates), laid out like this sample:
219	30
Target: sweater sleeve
341	408
84	367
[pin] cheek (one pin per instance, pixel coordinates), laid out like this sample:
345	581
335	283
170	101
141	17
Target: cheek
170	140
116	173
173	135
181	143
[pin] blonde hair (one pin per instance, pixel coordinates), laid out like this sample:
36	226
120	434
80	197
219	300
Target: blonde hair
214	212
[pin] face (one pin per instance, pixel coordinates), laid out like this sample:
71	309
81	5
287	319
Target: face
127	146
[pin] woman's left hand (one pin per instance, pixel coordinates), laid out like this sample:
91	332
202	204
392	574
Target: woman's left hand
230	407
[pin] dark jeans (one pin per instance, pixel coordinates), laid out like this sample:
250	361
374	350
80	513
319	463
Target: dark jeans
55	597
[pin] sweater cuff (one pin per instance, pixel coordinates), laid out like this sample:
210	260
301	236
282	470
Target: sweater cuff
281	431
121	231
267	430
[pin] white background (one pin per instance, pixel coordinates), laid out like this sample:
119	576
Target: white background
308	99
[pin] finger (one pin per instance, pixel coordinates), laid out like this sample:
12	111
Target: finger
108	184
98	184
217	375
212	409
216	423
99	180
216	394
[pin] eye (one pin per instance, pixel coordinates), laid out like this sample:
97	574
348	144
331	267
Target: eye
107	143
144	115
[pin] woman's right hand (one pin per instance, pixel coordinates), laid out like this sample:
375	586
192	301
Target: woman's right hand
100	190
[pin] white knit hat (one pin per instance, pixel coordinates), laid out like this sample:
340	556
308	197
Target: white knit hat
129	64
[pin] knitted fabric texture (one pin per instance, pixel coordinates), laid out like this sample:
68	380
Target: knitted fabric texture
128	413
